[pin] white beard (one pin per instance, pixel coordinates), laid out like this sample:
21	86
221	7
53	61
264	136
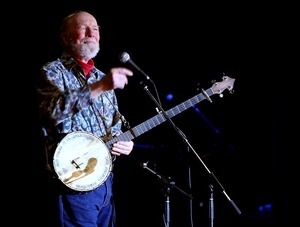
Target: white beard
86	51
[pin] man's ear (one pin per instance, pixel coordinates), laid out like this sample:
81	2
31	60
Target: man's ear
65	39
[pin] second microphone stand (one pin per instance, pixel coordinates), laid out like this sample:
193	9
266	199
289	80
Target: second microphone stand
168	185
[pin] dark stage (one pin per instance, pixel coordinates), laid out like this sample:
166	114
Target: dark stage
234	138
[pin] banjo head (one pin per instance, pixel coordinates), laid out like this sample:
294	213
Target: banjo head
82	161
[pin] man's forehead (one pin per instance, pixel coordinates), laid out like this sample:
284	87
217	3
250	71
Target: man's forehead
84	18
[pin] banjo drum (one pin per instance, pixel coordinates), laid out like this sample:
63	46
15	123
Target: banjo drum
82	161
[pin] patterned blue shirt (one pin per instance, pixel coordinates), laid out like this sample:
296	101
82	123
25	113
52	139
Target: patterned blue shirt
65	102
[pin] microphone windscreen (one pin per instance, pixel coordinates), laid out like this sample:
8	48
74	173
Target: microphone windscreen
124	57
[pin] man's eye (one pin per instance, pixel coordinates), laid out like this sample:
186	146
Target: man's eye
81	28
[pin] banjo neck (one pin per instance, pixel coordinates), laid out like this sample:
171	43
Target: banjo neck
158	119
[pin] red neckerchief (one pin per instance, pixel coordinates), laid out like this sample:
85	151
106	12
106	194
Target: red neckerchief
86	66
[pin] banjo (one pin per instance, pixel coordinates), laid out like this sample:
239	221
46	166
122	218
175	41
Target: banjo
83	161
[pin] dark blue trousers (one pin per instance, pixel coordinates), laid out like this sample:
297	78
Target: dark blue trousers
91	209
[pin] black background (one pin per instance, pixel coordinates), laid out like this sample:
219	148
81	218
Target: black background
183	47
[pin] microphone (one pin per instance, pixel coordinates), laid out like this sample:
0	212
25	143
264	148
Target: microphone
125	58
144	165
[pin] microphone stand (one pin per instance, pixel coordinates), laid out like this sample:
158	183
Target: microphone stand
211	205
211	174
168	186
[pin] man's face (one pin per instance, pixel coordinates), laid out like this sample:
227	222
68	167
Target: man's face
83	36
